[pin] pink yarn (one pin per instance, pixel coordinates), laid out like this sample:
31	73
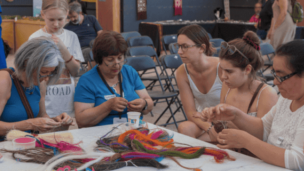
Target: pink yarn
61	146
156	134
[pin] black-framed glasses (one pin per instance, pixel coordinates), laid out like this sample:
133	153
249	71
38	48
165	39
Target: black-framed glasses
50	75
184	47
231	49
281	79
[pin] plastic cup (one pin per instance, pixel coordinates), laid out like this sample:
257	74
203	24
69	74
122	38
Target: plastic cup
133	118
24	143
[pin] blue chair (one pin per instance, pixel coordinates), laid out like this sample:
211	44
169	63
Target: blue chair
217	52
268	50
210	37
173	48
216	42
167	39
149	51
127	35
143	63
140	41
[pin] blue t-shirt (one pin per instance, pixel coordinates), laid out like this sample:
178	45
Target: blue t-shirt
14	110
91	89
86	31
2	54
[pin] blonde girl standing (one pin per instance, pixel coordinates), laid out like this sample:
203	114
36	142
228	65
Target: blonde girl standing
59	97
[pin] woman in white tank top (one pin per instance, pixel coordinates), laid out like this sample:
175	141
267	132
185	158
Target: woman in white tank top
198	79
240	59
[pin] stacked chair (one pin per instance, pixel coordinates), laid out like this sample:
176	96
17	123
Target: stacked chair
140	55
267	49
167	39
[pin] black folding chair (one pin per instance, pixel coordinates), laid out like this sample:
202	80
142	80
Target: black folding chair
147	50
127	35
173	62
143	63
268	50
167	39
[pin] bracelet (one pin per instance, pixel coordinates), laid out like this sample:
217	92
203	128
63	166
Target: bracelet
146	106
69	59
209	127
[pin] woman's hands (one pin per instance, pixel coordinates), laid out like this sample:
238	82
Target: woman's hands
58	42
118	104
232	138
270	33
43	124
64	119
221	112
136	105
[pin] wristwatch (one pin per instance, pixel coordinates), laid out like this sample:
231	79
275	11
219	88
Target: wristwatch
146	106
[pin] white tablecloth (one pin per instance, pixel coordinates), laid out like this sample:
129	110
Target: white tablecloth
90	135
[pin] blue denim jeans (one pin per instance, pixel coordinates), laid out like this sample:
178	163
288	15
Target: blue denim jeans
262	34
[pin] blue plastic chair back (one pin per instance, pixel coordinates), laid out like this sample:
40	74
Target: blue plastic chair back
217	52
127	35
172	61
216	42
140	41
210	37
173	49
266	49
141	63
142	50
167	39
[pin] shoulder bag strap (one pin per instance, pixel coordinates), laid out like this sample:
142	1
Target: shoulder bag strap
254	96
21	94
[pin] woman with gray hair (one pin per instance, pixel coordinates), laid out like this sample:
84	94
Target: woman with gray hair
37	60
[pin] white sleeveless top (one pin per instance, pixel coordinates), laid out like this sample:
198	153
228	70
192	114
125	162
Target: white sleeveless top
212	98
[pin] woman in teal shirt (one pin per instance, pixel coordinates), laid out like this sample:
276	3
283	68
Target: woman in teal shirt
105	93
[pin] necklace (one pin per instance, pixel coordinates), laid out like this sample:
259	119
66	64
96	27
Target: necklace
113	86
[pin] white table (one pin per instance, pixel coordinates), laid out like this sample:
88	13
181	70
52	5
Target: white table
90	135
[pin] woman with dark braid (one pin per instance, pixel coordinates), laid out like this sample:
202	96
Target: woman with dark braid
240	59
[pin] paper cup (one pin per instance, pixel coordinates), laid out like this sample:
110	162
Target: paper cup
24	143
133	118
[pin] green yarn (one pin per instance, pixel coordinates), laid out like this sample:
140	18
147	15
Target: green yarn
140	147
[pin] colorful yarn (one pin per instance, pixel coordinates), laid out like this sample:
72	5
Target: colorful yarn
145	138
61	146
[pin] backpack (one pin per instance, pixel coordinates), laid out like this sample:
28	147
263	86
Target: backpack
297	13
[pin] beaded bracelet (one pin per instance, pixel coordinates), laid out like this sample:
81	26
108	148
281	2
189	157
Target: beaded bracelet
209	127
69	59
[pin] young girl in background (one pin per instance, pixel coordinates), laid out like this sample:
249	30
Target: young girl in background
59	97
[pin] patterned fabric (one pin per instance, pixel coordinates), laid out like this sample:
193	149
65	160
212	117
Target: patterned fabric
285	129
178	7
141	9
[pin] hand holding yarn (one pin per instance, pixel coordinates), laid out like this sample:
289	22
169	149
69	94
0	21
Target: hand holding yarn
118	104
221	112
232	138
201	115
136	105
64	119
43	124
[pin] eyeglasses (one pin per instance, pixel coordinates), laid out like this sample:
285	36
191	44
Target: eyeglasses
281	79
184	47
113	63
230	49
50	75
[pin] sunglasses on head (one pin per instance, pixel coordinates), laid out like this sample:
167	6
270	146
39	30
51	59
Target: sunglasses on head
230	50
